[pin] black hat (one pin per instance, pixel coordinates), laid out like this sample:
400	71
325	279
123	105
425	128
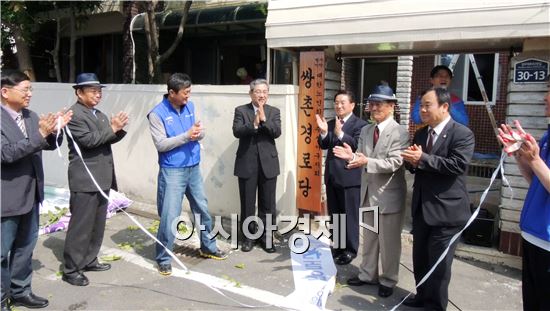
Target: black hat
441	67
87	79
382	92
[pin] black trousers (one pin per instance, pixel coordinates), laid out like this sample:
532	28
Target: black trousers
535	278
429	242
345	200
86	229
266	188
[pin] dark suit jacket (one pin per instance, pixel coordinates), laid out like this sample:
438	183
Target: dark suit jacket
335	168
440	178
22	172
94	136
256	143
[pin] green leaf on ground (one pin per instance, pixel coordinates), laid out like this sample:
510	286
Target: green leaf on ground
232	280
154	227
128	246
110	258
125	246
240	266
59	273
132	228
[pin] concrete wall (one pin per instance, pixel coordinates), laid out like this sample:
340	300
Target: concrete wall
136	157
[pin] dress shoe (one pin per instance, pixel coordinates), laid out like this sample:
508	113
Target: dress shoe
413	302
356	281
247	246
98	267
384	291
344	259
77	280
270	250
30	301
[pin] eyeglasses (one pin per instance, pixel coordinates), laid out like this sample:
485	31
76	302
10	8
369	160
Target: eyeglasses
24	91
258	92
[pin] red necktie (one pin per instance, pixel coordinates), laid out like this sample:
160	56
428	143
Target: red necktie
376	136
430	141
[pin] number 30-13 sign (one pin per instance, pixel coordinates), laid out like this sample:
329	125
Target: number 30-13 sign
531	71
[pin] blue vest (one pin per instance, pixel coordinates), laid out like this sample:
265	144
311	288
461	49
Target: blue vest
535	215
176	123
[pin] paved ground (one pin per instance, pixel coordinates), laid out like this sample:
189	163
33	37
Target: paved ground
254	278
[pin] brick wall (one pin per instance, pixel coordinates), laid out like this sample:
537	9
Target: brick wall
479	120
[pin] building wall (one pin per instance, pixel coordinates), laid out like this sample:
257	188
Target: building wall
479	119
526	104
136	157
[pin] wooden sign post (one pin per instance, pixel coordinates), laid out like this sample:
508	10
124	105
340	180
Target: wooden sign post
310	102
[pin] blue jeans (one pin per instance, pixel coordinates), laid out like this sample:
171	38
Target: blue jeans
19	236
173	183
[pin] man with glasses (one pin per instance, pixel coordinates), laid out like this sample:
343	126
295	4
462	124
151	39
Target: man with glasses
94	133
24	136
176	132
382	185
257	125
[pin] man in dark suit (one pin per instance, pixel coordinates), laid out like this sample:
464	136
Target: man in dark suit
256	125
24	136
343	185
94	133
439	159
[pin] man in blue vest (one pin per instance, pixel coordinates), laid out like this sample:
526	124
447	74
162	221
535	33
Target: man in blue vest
176	134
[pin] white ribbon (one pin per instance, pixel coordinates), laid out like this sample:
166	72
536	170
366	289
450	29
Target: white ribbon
472	218
140	226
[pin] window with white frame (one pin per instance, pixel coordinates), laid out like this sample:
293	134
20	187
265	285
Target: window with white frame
464	84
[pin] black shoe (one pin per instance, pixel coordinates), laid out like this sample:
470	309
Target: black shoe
270	250
30	301
413	302
384	291
165	269
77	280
356	281
344	259
247	246
218	255
98	267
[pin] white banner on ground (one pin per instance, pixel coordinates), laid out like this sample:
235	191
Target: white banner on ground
314	274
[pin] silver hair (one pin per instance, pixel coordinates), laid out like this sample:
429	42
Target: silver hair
256	82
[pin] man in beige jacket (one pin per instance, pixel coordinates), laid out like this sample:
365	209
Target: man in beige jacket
382	185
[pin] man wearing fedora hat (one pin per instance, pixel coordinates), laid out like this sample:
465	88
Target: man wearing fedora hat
94	133
383	185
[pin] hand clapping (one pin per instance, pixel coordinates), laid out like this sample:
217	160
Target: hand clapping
119	121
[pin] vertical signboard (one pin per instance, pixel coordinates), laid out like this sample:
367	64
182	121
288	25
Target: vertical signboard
310	102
